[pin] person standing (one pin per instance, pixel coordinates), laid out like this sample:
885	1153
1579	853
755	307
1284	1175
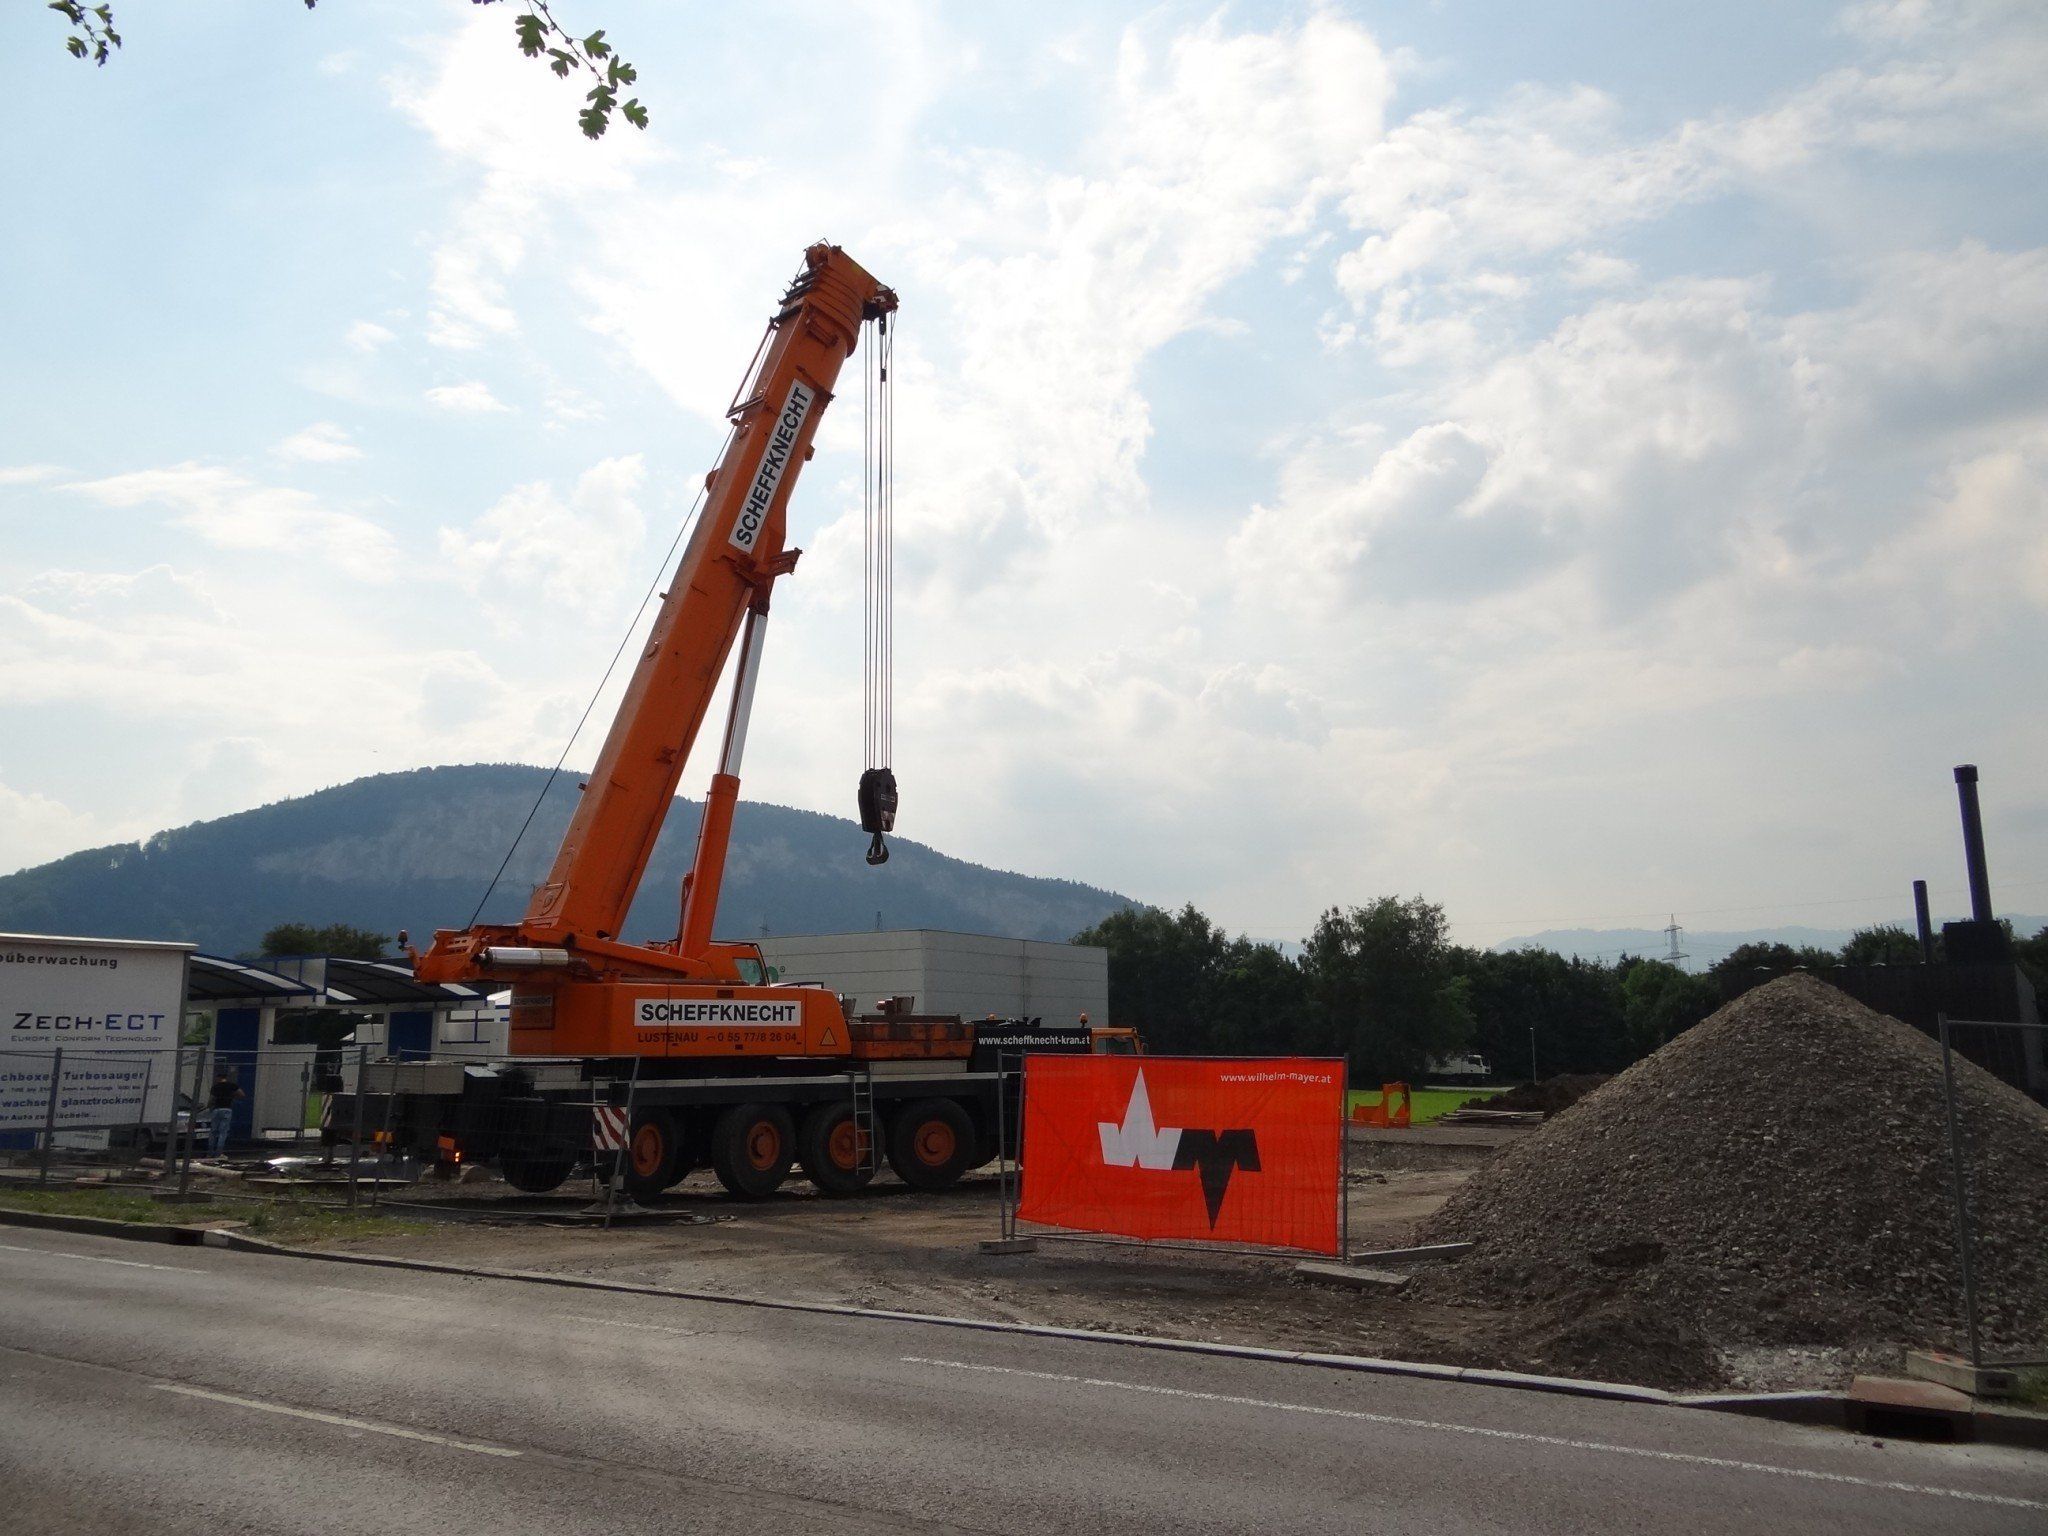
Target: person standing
225	1092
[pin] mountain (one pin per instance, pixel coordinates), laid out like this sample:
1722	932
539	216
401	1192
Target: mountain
1705	946
415	850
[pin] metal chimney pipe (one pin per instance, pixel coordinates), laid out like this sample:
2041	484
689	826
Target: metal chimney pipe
1973	843
1926	923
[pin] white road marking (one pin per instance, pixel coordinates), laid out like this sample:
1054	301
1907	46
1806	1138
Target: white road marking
337	1418
613	1322
1727	1463
94	1258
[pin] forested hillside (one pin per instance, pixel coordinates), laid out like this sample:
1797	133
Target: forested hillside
415	850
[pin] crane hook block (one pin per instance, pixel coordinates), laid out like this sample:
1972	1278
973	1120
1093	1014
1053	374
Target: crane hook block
878	810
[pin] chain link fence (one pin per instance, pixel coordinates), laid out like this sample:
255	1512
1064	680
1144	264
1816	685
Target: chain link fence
1995	1153
401	1132
96	1108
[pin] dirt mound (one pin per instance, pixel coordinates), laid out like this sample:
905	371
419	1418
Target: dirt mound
1548	1096
1776	1175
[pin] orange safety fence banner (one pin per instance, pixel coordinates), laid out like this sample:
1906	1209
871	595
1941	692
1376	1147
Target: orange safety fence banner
1238	1150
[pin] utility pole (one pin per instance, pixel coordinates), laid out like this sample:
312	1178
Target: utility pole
1677	957
1532	1055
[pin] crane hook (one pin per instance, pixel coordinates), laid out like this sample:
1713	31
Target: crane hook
878	810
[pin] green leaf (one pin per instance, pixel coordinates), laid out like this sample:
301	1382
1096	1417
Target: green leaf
635	113
595	45
532	35
76	45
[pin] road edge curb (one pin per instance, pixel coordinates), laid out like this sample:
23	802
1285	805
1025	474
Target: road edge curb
1826	1409
104	1226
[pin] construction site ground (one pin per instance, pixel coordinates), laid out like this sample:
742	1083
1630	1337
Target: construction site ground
899	1249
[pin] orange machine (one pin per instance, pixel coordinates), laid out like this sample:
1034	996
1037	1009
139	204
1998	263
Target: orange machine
577	987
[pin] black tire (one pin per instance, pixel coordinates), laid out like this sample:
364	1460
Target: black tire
654	1154
987	1148
931	1143
752	1146
535	1175
828	1146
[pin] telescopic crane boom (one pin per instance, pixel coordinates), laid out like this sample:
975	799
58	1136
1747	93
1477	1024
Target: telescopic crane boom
579	988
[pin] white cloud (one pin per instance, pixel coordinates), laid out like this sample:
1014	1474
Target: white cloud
473	398
368	335
1453	190
1649	456
321	443
160	589
228	509
28	474
35	829
577	555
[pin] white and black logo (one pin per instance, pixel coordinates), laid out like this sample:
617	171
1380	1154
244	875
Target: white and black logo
789	425
1137	1142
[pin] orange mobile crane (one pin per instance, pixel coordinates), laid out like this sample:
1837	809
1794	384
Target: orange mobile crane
578	987
729	1069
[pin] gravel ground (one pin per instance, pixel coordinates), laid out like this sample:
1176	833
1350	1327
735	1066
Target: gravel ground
1772	1186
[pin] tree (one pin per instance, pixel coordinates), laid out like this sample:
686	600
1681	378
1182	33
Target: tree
1162	968
1884	944
1659	1002
1773	957
1573	1005
1382	989
338	939
540	35
1257	1001
2032	955
1184	986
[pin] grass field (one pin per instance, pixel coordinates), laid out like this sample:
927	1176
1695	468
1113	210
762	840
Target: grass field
283	1221
1425	1104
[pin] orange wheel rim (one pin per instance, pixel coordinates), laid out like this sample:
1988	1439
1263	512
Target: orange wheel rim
764	1144
647	1150
935	1142
843	1146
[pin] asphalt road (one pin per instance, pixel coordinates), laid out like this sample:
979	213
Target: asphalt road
155	1389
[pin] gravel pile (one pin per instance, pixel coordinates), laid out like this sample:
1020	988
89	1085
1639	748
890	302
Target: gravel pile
1777	1175
1548	1096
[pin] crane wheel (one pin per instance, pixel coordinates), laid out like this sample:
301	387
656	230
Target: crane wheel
931	1143
535	1175
828	1146
654	1154
752	1146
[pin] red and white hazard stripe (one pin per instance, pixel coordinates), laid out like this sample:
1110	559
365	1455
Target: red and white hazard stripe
607	1130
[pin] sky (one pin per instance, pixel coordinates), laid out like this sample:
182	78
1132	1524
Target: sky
1579	463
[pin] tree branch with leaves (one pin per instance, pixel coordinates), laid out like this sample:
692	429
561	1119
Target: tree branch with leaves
540	37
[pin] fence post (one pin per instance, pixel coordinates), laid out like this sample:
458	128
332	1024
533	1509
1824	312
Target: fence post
355	1137
142	1107
384	1145
50	1113
177	1087
305	1100
192	1121
1961	1188
1017	1172
1002	1152
1344	1165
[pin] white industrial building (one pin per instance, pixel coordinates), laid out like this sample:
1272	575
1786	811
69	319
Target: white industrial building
970	974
